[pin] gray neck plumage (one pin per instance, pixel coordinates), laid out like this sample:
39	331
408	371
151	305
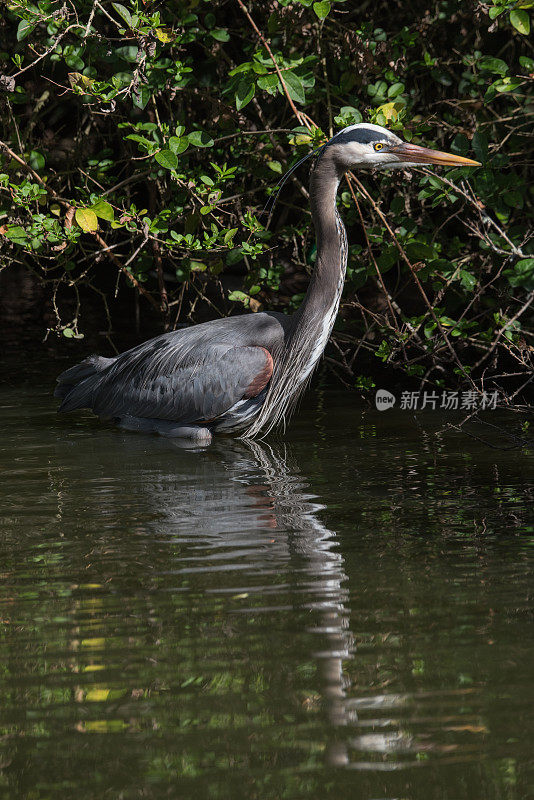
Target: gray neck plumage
313	322
326	283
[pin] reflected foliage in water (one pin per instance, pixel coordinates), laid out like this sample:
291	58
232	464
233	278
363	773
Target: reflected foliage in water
345	614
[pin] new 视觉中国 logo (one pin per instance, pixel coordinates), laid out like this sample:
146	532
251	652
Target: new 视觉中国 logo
384	400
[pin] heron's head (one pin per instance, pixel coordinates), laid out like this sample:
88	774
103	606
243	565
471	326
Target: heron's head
366	146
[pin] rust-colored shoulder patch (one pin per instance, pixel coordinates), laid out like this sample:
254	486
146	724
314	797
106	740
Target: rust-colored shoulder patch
262	378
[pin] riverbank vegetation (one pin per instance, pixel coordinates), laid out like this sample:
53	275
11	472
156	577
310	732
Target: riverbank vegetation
141	140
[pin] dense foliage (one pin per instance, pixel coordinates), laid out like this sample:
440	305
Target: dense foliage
140	141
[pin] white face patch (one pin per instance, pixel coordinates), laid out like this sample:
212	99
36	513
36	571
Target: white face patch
366	157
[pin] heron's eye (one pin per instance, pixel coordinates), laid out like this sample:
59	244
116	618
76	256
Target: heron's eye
378	146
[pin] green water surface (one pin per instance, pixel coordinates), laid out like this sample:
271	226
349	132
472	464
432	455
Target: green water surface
343	612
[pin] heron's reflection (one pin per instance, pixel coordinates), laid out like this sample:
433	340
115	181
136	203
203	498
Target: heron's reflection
266	483
239	507
235	521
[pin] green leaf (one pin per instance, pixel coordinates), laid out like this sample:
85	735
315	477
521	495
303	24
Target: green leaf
522	274
479	143
525	265
322	9
229	235
460	144
468	280
294	87
395	89
234	256
527	63
246	67
37	160
142	140
268	83
86	219
418	250
495	65
520	20
220	34
385	261
178	144
68	333
167	159
502	85
141	96
16	233
244	93
24	29
238	297
103	210
275	166
74	62
124	13
129	53
348	115
200	139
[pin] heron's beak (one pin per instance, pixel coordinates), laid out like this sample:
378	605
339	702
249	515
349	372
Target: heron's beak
414	154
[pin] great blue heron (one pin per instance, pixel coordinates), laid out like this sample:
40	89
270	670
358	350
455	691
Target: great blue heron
244	374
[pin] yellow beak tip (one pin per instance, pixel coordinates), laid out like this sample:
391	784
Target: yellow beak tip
459	161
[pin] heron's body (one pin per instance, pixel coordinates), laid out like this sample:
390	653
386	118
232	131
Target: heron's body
204	378
240	374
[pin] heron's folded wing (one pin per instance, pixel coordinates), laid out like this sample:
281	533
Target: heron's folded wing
199	390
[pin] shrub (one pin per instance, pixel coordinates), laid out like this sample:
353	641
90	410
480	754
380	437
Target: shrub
142	140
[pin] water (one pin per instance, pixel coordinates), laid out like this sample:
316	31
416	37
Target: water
344	614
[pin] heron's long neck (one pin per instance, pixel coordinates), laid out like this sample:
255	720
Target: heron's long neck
318	311
312	323
326	283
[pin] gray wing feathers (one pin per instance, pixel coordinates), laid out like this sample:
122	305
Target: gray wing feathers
160	382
